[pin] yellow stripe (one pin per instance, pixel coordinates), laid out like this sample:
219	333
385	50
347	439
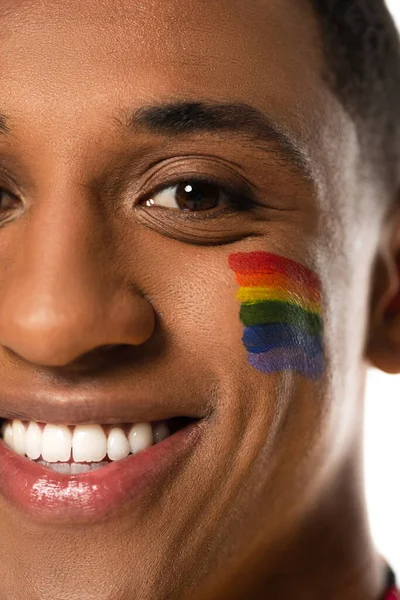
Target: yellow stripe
252	295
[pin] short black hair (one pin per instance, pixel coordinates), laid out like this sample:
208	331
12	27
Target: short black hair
362	50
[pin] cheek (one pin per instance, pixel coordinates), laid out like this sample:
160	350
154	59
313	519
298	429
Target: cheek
281	311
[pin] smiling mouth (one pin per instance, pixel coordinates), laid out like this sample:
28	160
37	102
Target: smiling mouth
81	481
75	449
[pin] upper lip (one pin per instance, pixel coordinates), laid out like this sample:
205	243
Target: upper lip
78	408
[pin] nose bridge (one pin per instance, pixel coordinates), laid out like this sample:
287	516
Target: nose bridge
61	253
63	297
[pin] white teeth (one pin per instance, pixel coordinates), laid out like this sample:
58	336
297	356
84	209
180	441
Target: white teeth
52	444
18	435
89	443
140	437
33	440
117	444
56	443
72	468
160	432
79	468
6	431
97	465
64	468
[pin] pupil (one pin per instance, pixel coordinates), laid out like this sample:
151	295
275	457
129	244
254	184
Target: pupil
197	196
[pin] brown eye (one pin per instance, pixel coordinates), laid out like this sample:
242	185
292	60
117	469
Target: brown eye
189	196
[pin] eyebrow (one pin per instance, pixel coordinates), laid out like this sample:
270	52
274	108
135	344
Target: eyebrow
183	118
180	118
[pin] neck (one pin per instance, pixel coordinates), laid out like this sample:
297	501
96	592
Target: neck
330	554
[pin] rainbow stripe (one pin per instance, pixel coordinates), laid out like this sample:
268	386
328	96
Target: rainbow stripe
281	310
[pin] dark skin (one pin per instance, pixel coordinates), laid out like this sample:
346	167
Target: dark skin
271	502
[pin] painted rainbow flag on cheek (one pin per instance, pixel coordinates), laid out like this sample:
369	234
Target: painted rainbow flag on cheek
281	310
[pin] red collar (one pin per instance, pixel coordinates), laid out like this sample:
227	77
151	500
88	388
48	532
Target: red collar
392	594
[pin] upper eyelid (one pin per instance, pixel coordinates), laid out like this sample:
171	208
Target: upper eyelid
199	165
140	186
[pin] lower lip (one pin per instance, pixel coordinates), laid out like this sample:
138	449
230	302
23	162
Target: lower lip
47	495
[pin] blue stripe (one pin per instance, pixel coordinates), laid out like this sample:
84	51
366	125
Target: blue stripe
262	338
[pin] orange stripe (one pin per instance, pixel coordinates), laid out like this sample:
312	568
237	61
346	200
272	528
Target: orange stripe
278	281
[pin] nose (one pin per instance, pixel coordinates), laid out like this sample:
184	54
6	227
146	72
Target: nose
64	294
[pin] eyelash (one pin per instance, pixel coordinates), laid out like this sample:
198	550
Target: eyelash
238	198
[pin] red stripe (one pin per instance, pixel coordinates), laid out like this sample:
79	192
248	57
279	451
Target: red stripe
265	262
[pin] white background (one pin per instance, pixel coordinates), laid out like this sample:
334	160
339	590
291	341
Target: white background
382	463
382	447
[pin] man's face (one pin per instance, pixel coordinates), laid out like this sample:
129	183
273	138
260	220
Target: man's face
110	301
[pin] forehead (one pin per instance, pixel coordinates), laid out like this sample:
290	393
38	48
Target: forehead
94	51
67	63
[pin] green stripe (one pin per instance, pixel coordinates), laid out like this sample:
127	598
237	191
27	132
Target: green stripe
274	311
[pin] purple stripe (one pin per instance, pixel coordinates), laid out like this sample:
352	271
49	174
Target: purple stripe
288	359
